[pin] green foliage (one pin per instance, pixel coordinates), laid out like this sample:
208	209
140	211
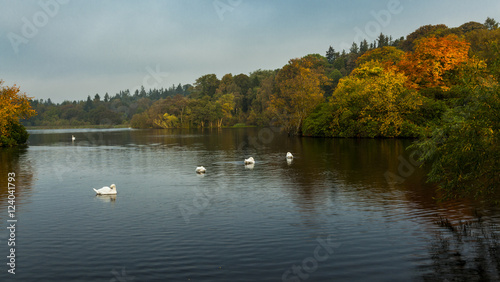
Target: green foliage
141	120
421	32
490	24
464	151
388	54
18	135
319	121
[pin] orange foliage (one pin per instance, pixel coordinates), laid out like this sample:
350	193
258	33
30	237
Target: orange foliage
13	105
432	59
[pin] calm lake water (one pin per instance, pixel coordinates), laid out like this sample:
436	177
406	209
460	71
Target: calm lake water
341	210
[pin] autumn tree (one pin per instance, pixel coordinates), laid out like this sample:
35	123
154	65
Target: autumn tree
387	55
298	91
225	105
422	32
228	89
485	45
13	106
372	101
433	59
166	121
264	84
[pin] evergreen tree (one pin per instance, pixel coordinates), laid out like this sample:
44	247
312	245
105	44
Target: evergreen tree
88	104
354	48
179	90
331	55
363	46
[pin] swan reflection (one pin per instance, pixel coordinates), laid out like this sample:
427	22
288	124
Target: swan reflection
106	198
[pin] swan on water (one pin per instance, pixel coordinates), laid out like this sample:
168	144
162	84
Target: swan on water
289	155
111	190
249	161
200	170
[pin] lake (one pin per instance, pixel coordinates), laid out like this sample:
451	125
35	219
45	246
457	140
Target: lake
341	210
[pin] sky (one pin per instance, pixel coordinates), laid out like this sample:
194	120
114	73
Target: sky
69	49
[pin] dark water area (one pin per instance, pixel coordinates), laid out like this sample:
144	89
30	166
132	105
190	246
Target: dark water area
341	210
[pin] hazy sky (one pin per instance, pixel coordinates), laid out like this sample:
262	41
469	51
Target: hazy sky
68	49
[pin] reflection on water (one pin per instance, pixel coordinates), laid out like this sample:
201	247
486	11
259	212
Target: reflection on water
14	160
106	198
237	222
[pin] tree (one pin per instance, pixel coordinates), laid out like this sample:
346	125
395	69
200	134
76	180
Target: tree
166	121
205	86
331	55
491	24
386	55
13	106
354	48
363	46
180	104
88	104
382	41
298	92
260	113
226	104
372	101
244	85
433	59
422	32
485	45
464	152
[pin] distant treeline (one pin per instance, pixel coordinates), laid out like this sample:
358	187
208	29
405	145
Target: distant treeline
96	110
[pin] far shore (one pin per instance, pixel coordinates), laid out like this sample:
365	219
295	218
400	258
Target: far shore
114	126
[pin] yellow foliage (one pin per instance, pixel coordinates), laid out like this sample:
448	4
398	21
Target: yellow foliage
375	97
13	105
166	121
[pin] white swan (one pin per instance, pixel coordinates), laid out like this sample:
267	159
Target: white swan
200	170
73	138
289	155
249	161
111	190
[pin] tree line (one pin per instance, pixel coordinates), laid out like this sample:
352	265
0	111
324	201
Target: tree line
303	95
438	84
